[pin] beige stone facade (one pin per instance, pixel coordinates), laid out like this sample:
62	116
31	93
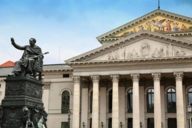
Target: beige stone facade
136	79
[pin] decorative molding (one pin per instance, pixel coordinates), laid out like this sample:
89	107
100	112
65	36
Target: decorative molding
156	76
115	77
178	75
130	39
76	79
135	77
95	78
172	23
65	89
145	51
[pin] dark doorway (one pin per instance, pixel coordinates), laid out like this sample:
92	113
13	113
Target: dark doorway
65	125
172	123
90	123
110	123
130	123
150	123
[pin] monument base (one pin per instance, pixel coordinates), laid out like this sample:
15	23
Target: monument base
22	106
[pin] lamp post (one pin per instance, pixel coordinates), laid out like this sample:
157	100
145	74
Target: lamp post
121	124
69	117
83	124
102	124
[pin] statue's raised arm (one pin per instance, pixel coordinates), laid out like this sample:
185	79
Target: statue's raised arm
16	45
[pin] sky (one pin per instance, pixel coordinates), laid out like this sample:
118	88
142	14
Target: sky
67	28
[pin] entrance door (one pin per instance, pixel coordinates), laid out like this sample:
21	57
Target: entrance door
65	125
172	123
150	123
110	123
130	123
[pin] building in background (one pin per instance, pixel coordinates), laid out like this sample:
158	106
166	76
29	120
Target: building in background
141	77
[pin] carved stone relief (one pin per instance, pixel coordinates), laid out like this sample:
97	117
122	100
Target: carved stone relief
146	50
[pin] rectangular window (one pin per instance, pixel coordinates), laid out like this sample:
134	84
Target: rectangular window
66	75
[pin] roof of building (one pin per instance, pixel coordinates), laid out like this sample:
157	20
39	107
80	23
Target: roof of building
7	64
4	71
145	34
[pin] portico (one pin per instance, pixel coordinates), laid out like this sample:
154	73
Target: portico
139	83
138	78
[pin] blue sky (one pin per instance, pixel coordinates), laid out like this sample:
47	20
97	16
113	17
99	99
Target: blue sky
67	28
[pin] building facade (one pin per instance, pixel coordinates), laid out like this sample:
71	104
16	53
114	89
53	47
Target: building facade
141	77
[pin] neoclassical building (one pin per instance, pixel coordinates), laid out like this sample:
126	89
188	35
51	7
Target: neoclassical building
140	77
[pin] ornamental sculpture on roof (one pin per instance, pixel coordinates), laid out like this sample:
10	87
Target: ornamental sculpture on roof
31	62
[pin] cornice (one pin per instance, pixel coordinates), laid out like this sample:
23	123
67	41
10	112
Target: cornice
133	61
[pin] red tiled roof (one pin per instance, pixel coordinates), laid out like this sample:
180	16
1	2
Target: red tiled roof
7	64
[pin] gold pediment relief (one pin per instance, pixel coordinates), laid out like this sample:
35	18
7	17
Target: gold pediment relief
145	49
157	24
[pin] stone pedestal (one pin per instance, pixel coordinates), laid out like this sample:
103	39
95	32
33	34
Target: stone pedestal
22	103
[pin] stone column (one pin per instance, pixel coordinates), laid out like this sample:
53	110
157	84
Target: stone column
95	112
115	103
180	100
76	102
45	97
136	101
157	100
84	107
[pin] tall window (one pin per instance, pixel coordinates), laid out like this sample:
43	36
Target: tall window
65	102
171	100
130	101
150	100
190	96
110	101
91	102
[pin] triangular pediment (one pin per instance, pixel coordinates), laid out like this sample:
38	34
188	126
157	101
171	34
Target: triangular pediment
142	45
157	21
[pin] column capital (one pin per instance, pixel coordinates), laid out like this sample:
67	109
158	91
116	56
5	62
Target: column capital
178	75
76	79
115	77
156	76
95	77
135	76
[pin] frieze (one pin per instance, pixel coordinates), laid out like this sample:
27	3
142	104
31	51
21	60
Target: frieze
146	49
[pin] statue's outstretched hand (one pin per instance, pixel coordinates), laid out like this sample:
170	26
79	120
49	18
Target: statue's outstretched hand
12	40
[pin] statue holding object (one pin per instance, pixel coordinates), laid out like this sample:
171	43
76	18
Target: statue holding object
31	62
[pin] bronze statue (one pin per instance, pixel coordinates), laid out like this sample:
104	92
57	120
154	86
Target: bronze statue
31	61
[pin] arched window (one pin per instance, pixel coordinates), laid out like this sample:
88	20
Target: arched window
110	101
150	100
65	102
171	100
91	102
130	101
190	96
